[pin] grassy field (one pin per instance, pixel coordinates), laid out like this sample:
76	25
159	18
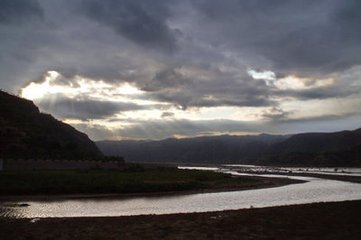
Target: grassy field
133	180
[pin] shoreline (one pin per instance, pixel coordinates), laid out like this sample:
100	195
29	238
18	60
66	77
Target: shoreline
345	178
331	220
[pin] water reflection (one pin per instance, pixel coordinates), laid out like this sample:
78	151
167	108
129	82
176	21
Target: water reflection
314	190
12	210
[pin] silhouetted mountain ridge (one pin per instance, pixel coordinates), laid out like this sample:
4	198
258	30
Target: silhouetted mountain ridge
333	149
320	142
27	133
217	149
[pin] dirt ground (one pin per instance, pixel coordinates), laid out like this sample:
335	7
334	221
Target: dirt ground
312	221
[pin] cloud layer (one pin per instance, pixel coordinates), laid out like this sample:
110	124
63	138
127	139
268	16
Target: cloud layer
128	65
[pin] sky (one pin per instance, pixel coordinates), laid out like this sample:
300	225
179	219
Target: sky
141	69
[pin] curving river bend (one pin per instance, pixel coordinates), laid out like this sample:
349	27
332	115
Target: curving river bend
314	190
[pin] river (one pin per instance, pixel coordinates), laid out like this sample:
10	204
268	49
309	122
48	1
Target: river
313	190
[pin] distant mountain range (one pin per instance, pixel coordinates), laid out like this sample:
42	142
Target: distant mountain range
27	133
314	149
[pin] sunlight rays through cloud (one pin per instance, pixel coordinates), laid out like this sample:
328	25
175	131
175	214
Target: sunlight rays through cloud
124	64
122	110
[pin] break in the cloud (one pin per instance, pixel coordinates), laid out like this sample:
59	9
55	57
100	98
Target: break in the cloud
155	69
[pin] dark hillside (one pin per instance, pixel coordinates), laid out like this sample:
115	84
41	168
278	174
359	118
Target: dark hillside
317	149
307	149
320	142
218	149
27	133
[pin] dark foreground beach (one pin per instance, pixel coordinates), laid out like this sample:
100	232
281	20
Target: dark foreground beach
312	221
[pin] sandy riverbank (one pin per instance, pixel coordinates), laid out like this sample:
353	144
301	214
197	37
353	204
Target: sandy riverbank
311	221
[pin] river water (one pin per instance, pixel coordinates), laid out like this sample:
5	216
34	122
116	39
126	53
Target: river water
313	190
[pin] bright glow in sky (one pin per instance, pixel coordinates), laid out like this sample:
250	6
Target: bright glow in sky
157	69
143	109
36	90
266	75
296	83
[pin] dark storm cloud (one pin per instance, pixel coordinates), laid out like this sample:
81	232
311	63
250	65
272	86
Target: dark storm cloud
84	109
167	79
284	36
167	115
313	36
323	118
321	93
19	11
218	89
191	53
275	114
143	22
